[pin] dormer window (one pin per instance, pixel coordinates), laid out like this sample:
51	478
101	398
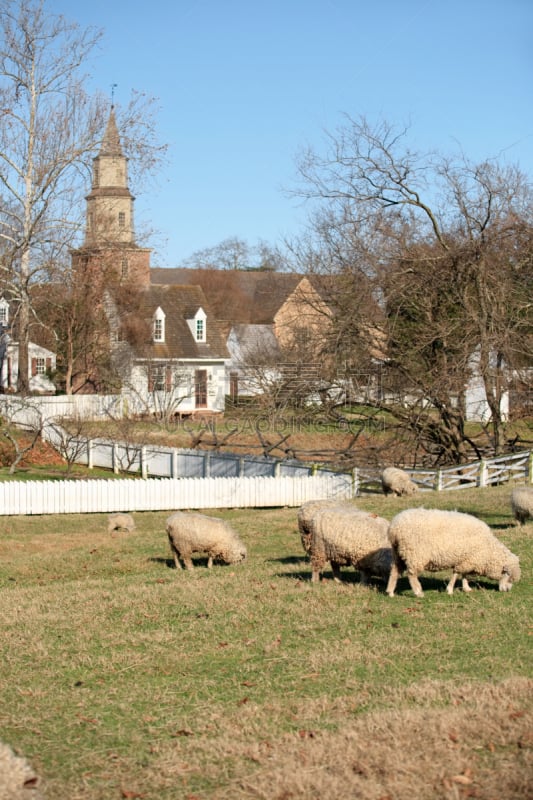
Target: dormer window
159	325
198	325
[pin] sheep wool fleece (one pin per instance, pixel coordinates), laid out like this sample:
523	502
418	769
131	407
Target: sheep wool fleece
349	537
190	532
397	481
522	503
433	540
307	511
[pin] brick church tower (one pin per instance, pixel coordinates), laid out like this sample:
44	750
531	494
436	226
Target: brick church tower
109	251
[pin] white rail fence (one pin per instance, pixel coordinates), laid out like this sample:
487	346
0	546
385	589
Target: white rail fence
152	494
172	462
487	472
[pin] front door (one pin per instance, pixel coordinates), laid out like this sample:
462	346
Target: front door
200	388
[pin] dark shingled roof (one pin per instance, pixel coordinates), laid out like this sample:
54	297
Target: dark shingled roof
238	296
180	303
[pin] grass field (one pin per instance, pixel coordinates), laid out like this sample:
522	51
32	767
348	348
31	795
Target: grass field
123	678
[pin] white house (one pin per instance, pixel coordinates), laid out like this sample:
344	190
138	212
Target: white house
41	361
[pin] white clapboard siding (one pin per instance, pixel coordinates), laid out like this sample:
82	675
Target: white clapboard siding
100	496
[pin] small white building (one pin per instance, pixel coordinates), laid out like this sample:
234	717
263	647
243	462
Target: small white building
176	363
41	361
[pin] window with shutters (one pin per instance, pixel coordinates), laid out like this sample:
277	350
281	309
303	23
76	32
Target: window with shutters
157	379
160	378
4	312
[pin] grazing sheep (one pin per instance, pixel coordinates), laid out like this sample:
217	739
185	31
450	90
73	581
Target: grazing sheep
396	481
190	533
18	781
522	503
433	540
349	537
120	522
306	513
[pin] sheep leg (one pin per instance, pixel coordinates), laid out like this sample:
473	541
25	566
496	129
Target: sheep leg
466	585
335	568
415	584
209	562
395	572
175	554
315	576
451	584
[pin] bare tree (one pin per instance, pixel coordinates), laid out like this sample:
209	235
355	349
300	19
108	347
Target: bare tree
49	128
234	253
431	264
20	413
69	438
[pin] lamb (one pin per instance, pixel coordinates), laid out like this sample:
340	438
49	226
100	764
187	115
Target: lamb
190	532
522	503
18	781
305	515
396	481
435	540
349	537
120	522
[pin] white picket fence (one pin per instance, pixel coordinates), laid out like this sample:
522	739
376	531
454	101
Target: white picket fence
34	411
152	494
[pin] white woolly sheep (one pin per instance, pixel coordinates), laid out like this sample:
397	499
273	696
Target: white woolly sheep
306	513
397	481
522	503
120	522
18	781
433	540
190	532
349	537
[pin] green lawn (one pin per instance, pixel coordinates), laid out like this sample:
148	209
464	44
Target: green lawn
122	677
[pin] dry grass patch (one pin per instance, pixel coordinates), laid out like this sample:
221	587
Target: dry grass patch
434	741
124	678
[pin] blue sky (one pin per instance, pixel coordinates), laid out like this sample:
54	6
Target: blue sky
243	86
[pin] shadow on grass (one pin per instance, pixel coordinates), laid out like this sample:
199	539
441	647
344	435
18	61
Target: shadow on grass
197	562
167	562
350	576
287	560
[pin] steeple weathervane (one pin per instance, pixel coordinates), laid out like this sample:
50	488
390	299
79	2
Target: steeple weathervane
113	87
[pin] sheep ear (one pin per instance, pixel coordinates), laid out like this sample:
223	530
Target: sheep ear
505	571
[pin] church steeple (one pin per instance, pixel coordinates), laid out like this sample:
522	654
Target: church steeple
111	145
109	247
110	202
